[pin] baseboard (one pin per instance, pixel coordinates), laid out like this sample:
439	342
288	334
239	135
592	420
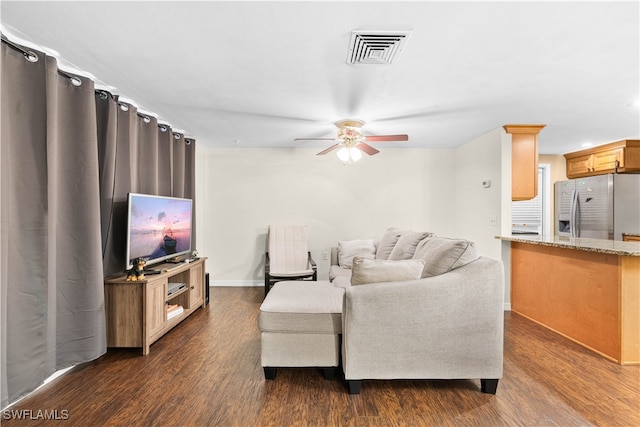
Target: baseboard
507	306
237	283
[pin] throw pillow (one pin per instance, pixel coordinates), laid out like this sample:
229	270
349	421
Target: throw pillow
385	246
380	270
442	254
406	245
347	249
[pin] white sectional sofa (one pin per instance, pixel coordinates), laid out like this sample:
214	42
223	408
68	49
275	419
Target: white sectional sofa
432	310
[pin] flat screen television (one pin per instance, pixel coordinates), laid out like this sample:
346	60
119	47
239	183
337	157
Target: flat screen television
158	228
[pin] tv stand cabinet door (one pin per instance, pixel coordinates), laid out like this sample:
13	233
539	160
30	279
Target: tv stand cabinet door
196	282
155	311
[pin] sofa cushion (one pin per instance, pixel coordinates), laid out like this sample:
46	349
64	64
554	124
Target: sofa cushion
336	271
303	307
342	281
442	254
387	243
381	270
406	245
348	249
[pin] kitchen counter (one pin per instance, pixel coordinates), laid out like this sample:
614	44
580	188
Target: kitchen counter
613	247
587	290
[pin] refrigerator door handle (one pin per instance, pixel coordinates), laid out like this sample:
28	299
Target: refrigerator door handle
578	216
575	232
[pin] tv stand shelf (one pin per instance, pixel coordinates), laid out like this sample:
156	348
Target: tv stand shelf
136	311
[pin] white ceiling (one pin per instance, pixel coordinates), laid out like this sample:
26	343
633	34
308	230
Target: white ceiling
259	74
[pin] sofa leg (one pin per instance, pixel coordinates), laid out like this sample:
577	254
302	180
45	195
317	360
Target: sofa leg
488	386
269	373
354	386
329	373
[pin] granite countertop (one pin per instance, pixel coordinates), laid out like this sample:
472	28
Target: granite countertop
615	247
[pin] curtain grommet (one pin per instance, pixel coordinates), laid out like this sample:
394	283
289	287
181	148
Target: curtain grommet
75	81
30	56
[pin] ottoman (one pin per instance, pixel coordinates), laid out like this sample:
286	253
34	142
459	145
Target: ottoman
301	326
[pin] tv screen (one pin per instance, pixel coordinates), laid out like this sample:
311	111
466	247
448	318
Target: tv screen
158	228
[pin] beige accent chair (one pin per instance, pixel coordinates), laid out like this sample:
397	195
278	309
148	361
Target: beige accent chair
288	256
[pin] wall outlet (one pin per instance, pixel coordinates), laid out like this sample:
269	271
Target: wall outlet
493	220
325	255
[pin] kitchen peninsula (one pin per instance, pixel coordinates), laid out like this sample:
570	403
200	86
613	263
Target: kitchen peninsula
587	290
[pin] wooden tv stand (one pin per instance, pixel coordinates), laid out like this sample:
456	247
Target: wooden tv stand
136	311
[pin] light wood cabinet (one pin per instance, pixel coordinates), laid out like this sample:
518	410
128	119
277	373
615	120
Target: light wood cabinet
616	157
196	293
591	298
579	166
524	160
630	238
136	311
155	306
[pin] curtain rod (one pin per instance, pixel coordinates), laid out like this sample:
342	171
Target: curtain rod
33	57
76	81
29	55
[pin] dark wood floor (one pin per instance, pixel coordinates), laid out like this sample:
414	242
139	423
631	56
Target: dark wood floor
207	372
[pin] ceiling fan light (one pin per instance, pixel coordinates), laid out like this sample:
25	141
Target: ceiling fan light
343	154
355	154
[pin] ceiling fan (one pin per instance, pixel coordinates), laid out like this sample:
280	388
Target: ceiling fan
351	142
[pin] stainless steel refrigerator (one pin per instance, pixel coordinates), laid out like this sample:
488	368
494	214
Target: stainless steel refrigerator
599	207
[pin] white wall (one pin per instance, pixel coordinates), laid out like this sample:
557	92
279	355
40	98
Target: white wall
487	157
241	190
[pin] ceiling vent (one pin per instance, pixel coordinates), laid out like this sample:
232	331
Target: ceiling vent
376	47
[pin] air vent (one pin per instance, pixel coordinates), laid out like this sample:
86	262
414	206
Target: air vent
376	47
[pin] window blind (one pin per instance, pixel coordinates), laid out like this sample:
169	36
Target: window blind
526	215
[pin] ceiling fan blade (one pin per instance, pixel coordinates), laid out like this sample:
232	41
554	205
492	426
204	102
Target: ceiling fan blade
314	139
328	150
386	138
367	148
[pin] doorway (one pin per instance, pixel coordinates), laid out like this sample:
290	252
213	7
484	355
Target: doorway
533	217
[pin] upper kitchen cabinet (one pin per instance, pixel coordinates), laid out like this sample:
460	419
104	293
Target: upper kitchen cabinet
524	160
616	157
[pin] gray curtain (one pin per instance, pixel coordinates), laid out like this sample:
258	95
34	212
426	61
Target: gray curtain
51	257
68	156
138	156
